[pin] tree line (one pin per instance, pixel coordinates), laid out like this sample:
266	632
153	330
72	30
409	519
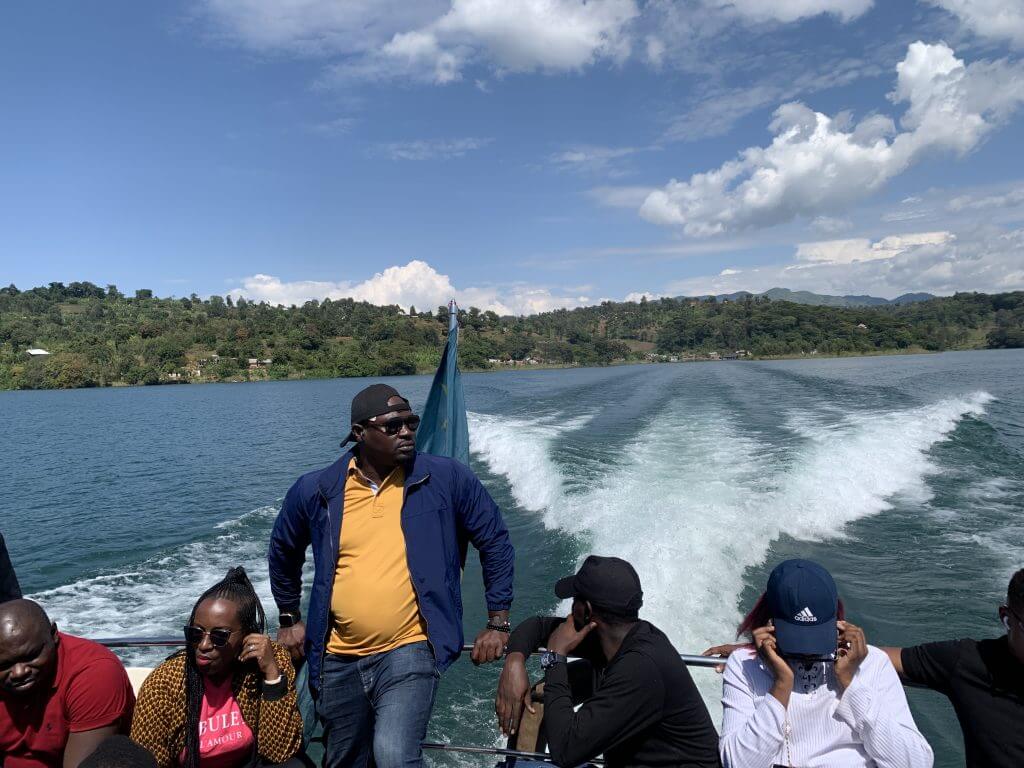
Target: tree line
98	336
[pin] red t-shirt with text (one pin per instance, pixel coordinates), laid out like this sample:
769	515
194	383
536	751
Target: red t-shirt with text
225	740
90	690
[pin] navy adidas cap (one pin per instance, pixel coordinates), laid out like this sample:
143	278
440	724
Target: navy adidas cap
803	603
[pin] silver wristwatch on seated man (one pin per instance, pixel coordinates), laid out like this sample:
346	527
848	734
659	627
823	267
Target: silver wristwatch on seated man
548	659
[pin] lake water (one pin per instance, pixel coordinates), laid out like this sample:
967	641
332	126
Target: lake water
903	475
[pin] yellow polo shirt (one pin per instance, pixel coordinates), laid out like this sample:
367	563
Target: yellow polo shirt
373	604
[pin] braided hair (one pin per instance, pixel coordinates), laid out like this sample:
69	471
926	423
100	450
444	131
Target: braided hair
237	588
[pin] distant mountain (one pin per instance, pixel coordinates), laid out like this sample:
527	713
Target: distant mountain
823	300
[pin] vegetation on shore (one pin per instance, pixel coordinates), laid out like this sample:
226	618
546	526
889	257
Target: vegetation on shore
100	337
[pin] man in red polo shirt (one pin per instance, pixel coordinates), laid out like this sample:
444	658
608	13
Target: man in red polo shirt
60	696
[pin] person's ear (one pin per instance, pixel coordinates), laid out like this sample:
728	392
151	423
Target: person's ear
53	632
357	432
588	612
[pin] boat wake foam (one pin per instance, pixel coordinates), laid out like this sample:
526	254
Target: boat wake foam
697	500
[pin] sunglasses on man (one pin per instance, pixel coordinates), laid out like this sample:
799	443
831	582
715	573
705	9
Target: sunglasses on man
218	637
392	427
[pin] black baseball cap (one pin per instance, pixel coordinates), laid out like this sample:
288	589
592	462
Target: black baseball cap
373	401
804	605
607	582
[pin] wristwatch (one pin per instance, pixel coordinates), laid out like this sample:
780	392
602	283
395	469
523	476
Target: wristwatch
548	659
289	619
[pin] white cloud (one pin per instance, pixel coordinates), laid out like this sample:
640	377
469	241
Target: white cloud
862	249
430	149
1011	198
637	297
436	40
818	164
585	158
317	27
554	35
414	284
727	271
525	36
793	10
998	19
989	261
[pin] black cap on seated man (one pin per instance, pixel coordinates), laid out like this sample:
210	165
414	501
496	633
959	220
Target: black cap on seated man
608	582
643	709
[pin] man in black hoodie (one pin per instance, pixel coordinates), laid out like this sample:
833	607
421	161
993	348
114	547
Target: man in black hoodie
639	705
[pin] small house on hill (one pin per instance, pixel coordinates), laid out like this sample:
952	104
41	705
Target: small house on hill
36	352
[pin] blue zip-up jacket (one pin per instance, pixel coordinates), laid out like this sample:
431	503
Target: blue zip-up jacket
445	507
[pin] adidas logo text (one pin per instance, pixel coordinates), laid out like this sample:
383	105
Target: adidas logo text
805	615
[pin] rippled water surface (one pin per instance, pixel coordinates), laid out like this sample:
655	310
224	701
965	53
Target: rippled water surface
903	475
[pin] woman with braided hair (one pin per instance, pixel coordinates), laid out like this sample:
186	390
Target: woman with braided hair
228	700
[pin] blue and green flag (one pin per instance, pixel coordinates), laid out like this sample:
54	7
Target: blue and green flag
444	429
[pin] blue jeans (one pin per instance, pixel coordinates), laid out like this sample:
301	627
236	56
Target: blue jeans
375	709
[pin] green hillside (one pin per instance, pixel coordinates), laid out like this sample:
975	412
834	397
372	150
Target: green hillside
99	337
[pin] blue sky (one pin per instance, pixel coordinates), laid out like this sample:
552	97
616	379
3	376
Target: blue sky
520	155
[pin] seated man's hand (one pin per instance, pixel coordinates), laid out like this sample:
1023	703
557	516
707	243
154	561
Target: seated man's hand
723	651
565	639
513	694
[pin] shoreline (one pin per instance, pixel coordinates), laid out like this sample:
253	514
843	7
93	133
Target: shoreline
537	367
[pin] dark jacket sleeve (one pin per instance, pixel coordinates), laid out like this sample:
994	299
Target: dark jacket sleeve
631	698
480	518
288	542
9	587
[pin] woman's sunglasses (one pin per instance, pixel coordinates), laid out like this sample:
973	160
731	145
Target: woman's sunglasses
393	426
219	637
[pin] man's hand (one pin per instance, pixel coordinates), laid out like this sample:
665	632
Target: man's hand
767	649
565	639
722	651
513	694
853	649
490	643
294	639
488	646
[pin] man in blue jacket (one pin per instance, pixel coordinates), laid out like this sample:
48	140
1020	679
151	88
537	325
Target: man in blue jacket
389	529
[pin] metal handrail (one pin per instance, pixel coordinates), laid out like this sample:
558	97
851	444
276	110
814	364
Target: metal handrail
691	660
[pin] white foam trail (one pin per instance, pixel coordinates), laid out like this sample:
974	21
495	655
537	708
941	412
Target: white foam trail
856	467
520	450
697	501
156	596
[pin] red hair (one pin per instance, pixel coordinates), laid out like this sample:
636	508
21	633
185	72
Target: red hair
759	615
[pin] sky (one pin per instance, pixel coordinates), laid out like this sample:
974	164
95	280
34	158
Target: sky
516	155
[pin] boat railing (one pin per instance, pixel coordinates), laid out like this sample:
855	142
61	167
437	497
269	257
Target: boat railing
691	660
509	755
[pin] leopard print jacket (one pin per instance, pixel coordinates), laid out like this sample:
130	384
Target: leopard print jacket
159	721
